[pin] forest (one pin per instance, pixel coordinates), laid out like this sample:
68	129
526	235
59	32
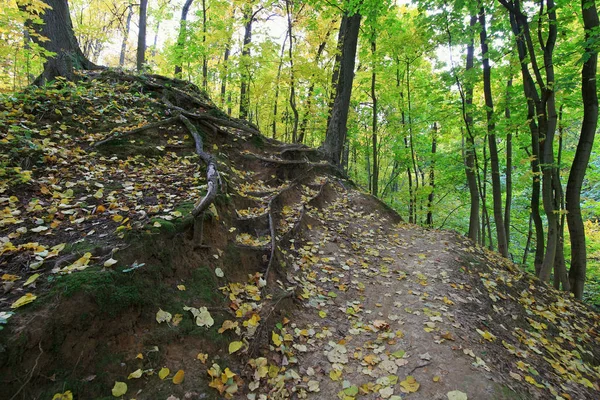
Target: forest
430	164
469	116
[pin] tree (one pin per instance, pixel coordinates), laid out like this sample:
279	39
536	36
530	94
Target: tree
141	47
337	128
57	28
181	38
577	273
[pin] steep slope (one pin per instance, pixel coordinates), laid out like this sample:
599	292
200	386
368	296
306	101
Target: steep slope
289	283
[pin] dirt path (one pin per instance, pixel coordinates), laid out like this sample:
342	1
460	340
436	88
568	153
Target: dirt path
380	309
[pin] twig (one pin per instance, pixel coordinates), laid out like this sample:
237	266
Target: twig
30	373
419	366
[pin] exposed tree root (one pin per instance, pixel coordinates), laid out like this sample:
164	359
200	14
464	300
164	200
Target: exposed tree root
119	135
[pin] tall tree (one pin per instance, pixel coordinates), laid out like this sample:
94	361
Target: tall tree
181	38
55	34
337	127
141	46
491	130
577	273
125	36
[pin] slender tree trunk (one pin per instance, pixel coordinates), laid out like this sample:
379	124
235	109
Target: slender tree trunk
508	201
491	129
337	129
413	154
245	63
292	98
335	75
309	95
182	37
589	95
141	47
225	75
429	221
470	165
375	177
204	50
125	37
277	80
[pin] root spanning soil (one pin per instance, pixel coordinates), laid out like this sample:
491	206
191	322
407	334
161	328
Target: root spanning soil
154	248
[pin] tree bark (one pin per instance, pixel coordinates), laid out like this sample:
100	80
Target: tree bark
125	37
244	64
375	177
141	47
204	59
181	38
589	95
277	80
509	163
57	27
491	129
337	128
292	98
429	221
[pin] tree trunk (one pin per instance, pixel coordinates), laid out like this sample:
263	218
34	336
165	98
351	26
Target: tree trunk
181	38
335	75
245	63
141	47
292	98
204	50
224	76
57	27
589	95
277	80
337	128
375	177
429	221
508	201
491	129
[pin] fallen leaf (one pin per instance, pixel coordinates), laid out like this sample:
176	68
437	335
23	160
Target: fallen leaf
28	298
219	272
110	262
456	395
63	396
163	316
163	373
119	389
410	384
135	374
178	378
235	346
31	279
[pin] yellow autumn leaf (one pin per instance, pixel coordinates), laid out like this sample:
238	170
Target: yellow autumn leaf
181	287
202	357
140	356
63	396
31	279
177	318
227	324
322	314
486	335
119	389
335	374
276	339
235	346
28	298
117	218
178	378
163	316
110	262
163	373
135	374
410	385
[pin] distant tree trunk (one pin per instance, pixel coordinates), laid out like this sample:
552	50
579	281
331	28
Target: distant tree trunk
337	128
429	221
491	129
413	155
277	80
181	38
470	165
204	59
311	88
589	95
141	47
508	201
245	63
225	76
292	98
57	27
375	177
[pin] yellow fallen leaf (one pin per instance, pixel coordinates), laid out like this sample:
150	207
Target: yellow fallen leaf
31	279
28	298
163	373
227	324
410	385
9	277
119	389
202	357
140	356
486	335
63	396
235	346
276	339
117	218
181	287
335	374
156	224
135	374
178	378
163	316
177	318
322	314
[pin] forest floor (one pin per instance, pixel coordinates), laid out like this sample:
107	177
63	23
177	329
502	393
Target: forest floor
293	284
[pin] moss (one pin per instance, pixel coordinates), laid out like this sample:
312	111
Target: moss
258	141
112	291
